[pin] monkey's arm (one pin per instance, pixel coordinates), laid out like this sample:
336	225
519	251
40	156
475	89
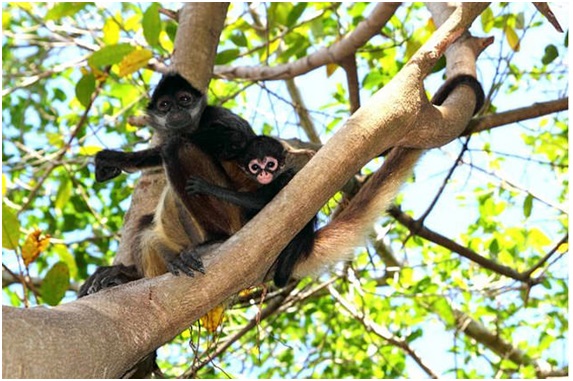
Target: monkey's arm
250	200
109	164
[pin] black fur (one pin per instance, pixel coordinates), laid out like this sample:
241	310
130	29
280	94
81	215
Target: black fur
445	90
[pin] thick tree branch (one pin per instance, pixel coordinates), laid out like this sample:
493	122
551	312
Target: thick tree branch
349	65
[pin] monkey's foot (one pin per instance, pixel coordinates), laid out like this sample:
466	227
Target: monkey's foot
107	277
186	262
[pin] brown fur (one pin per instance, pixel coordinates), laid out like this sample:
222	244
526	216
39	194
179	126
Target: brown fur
183	222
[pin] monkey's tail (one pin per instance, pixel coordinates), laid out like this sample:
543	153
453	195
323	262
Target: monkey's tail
336	241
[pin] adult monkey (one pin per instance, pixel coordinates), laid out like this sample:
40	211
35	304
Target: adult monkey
197	140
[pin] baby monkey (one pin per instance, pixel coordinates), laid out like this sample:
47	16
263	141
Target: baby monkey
263	160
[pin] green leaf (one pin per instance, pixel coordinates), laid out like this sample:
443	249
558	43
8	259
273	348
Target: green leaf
85	88
55	284
67	257
442	308
64	194
414	335
171	30
278	13
10	228
551	53
60	10
110	55
527	205
226	56
151	25
494	247
487	20
295	14
238	37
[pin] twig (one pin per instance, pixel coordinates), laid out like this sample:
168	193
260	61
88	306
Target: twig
381	332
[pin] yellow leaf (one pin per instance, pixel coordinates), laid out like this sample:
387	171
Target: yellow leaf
248	291
34	245
563	248
512	38
431	25
4	184
130	127
23	5
165	41
111	31
89	150
330	68
213	318
134	61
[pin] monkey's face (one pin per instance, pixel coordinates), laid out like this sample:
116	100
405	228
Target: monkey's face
175	106
263	170
177	112
263	159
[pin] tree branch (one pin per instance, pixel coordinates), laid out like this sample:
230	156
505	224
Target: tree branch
535	110
302	111
418	229
333	54
495	343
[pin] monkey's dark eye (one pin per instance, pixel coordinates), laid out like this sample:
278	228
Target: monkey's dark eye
163	105
185	98
254	168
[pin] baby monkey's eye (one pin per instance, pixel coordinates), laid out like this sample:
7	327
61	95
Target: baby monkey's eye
254	168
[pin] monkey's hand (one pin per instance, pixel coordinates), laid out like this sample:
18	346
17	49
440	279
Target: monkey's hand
196	185
186	262
104	169
108	276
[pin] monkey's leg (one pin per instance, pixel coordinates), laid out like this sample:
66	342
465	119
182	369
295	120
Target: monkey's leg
109	164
